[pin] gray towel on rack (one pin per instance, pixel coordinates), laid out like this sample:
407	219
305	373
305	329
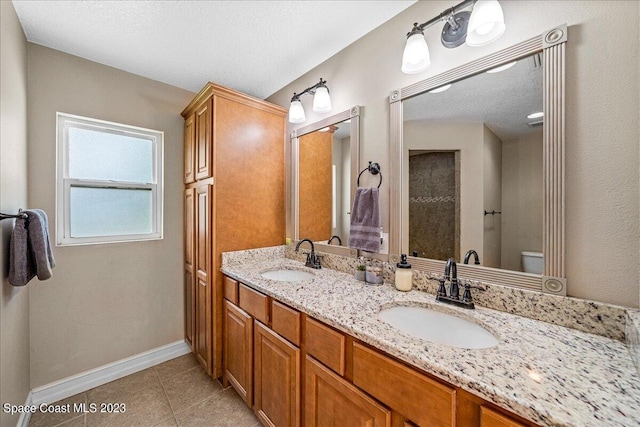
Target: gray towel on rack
365	220
30	252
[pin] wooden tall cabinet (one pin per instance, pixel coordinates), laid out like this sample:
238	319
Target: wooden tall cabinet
234	174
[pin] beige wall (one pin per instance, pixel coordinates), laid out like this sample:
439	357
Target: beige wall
492	224
521	198
111	301
14	302
602	130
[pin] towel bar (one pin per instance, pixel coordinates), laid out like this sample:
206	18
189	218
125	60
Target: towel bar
19	215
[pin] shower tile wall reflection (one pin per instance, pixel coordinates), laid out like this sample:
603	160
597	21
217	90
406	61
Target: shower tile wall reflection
434	213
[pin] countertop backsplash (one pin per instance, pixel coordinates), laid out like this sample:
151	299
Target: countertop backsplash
587	316
633	336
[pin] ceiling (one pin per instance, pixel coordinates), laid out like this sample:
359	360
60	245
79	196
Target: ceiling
256	47
500	100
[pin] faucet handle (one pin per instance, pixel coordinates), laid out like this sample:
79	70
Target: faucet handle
310	259
317	263
466	295
442	291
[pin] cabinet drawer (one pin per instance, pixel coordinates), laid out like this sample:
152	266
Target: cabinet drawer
325	344
491	418
254	303
423	400
286	322
231	289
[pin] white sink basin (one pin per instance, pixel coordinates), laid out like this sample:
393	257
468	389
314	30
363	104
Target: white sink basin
438	327
284	275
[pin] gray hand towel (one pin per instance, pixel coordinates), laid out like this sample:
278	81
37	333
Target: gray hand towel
365	220
30	252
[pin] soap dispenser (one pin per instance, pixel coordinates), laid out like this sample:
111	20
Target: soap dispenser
404	275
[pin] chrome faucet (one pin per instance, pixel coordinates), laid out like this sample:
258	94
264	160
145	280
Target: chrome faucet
335	237
475	256
313	260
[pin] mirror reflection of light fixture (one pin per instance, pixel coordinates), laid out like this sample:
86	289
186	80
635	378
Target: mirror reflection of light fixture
501	67
321	102
440	88
482	26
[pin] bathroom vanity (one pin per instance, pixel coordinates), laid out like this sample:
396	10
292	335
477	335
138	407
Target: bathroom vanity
320	347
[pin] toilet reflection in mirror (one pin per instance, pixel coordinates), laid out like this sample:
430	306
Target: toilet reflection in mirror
324	183
473	172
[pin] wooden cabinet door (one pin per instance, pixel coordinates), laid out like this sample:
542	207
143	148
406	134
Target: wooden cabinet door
238	350
189	259
204	275
491	418
190	149
276	379
330	401
204	141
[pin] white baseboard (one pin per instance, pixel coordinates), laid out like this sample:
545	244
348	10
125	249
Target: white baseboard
25	417
84	381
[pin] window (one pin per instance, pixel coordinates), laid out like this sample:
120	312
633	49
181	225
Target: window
109	182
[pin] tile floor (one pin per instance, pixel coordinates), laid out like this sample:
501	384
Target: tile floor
174	393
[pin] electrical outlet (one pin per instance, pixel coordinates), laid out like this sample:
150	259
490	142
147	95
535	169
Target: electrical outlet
384	246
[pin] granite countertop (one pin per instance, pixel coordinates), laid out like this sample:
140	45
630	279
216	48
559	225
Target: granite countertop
551	375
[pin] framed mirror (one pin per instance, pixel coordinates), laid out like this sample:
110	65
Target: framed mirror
476	173
325	162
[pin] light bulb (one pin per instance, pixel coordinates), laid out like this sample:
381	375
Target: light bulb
486	23
322	100
296	112
415	58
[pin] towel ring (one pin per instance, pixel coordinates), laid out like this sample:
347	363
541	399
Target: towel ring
374	169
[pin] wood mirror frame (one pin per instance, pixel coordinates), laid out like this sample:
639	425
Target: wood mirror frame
354	115
551	45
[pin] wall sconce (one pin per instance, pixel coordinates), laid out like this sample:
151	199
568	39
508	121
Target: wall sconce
480	27
321	102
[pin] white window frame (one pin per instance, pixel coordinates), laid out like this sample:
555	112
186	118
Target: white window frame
64	182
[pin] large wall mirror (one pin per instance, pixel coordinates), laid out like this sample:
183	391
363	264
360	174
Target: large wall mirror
325	162
478	155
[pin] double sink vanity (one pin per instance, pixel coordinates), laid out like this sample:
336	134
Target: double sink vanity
384	348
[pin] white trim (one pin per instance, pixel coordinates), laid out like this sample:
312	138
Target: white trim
64	182
25	417
87	380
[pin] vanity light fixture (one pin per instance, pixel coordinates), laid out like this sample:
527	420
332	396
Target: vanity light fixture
481	26
321	102
535	115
